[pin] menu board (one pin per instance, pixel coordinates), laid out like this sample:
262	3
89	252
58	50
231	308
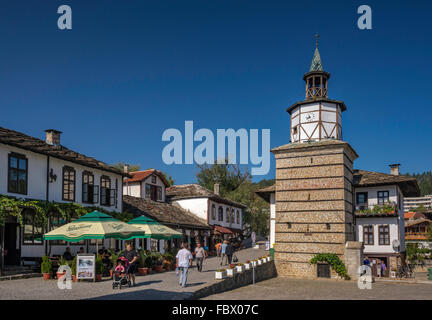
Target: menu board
86	266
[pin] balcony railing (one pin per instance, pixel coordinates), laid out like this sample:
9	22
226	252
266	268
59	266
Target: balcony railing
388	208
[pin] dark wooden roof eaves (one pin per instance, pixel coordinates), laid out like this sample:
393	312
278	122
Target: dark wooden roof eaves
163	212
340	103
408	185
23	141
193	191
266	192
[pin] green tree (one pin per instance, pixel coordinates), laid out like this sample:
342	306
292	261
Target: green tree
424	181
236	184
169	179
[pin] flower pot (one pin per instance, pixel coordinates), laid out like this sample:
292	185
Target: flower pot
98	277
142	271
220	275
248	266
74	278
268	258
158	268
239	269
149	270
46	276
59	274
231	272
264	260
253	263
259	262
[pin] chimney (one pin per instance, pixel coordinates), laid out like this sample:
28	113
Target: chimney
126	168
216	188
394	169
53	137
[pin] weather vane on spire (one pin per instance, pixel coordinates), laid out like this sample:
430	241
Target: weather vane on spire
316	39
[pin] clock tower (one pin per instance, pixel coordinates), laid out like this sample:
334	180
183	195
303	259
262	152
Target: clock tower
317	117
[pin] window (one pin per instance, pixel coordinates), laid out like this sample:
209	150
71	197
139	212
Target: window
55	221
105	194
232	216
68	183
213	212
383	197
238	217
368	236
159	193
227	215
295	131
362	200
384	235
220	214
147	191
17	173
32	228
90	192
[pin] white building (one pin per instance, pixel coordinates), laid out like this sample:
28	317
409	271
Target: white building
223	215
412	203
45	170
145	194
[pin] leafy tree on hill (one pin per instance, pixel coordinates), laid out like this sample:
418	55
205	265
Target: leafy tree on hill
424	181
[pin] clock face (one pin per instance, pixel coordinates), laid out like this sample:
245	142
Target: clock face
310	116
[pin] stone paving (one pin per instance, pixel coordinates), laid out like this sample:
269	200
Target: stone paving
157	286
297	289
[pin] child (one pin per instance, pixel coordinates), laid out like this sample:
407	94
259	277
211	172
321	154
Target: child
120	266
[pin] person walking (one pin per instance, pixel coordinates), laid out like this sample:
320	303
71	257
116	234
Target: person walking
224	258
200	255
184	260
218	248
229	251
383	269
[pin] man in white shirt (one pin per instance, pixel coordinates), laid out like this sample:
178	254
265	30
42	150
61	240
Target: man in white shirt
184	260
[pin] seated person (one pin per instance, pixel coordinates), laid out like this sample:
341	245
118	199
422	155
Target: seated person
67	254
120	266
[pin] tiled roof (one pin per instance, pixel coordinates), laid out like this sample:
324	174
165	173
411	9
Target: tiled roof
316	144
163	212
191	191
416	221
137	176
408	185
23	141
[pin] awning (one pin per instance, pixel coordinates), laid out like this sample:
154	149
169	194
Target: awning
224	230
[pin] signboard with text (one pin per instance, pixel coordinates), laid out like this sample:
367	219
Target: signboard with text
86	266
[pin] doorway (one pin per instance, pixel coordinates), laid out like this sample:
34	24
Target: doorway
12	257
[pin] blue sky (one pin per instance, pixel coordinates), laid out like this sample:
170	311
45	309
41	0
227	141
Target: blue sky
128	70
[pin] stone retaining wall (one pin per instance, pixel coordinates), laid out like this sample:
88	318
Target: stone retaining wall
262	272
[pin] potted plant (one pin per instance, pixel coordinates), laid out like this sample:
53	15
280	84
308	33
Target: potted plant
74	269
158	263
264	259
220	274
99	268
240	267
231	271
62	262
142	269
114	258
268	257
148	263
248	265
258	261
46	268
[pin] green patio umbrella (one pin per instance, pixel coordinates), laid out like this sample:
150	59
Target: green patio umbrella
154	229
94	225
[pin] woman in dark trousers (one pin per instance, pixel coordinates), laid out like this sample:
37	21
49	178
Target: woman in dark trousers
229	251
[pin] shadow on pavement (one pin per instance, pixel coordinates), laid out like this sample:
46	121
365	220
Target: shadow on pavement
148	294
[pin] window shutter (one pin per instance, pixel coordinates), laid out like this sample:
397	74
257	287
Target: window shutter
95	194
112	197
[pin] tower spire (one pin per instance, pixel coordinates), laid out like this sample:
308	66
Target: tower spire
316	64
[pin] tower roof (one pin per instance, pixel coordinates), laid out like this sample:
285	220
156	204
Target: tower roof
316	64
